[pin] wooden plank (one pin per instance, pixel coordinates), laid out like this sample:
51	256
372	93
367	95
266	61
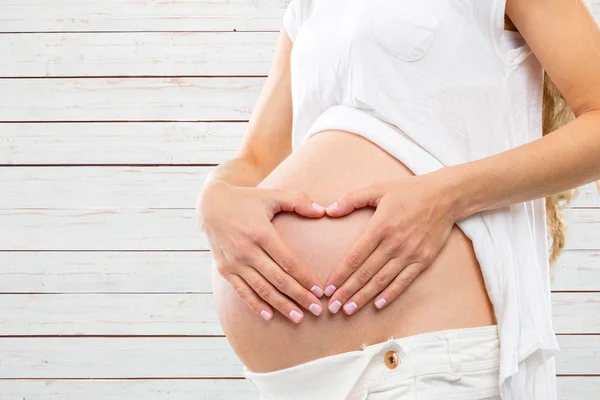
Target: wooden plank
120	143
146	389
147	357
137	54
576	312
168	229
147	15
139	99
578	387
569	388
588	197
190	314
100	229
95	187
580	355
123	187
106	272
577	270
108	314
114	358
186	272
140	15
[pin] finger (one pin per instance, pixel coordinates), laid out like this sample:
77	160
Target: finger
379	282
355	257
358	280
271	295
282	255
285	284
351	200
249	296
399	284
298	202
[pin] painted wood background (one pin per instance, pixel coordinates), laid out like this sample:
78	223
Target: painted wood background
112	112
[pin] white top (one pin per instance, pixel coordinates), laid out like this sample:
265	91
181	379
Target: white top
437	83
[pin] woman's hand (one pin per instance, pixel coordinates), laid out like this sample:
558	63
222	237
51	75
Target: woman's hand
411	224
247	248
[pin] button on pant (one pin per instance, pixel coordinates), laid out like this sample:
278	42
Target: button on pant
450	365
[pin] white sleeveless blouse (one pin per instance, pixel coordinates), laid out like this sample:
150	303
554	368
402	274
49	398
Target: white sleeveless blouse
437	83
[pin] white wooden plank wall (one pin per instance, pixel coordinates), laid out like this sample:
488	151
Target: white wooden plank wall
112	112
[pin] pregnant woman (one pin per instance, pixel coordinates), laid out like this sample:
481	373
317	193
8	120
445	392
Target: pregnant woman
381	233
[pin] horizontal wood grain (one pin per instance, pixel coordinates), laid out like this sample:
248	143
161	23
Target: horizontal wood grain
169	229
128	357
148	357
569	388
191	314
129	187
140	15
187	272
146	389
577	270
147	15
94	187
100	229
137	54
119	142
107	272
133	99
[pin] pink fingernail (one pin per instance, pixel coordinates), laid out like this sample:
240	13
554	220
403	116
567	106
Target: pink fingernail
266	315
296	316
317	207
335	306
317	291
380	303
329	290
350	307
332	207
315	309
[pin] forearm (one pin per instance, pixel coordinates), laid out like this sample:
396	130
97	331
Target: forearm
239	171
565	159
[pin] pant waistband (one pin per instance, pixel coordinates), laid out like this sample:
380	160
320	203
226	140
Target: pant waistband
451	352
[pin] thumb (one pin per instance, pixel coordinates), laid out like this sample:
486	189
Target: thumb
298	202
351	200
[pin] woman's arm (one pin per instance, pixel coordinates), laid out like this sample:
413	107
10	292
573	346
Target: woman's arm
236	215
565	37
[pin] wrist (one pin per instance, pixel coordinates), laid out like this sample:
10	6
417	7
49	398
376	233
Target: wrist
209	188
454	194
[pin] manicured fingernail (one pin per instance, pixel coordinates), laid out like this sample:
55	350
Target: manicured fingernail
349	308
317	291
335	306
380	303
332	207
317	207
329	290
315	309
296	316
266	315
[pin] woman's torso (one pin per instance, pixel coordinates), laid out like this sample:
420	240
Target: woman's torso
449	294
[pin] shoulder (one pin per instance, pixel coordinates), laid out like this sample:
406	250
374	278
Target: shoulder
295	14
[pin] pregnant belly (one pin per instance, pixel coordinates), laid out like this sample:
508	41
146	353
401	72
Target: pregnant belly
449	294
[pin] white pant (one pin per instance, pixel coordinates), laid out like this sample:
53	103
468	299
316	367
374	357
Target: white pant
450	365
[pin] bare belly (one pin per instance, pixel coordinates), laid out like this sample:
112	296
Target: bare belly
449	294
